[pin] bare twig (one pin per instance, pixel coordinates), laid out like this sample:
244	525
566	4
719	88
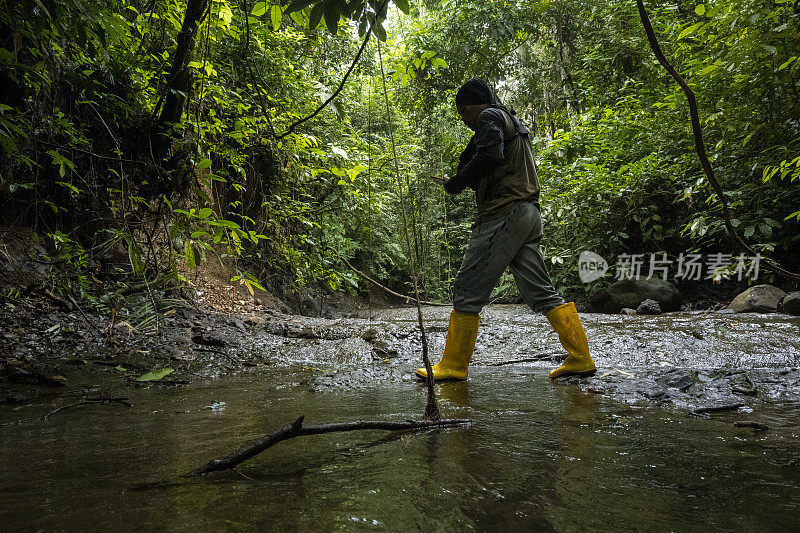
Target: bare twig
98	156
296	429
432	406
85	318
406	298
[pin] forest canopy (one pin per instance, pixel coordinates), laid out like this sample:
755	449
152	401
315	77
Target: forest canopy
184	131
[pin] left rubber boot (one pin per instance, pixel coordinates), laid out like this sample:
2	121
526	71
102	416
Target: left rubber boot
567	324
461	336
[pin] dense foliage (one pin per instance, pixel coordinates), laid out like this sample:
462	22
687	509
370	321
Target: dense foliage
143	136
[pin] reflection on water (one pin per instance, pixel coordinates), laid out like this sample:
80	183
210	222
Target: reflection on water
540	455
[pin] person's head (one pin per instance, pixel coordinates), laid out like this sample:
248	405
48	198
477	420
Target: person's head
471	99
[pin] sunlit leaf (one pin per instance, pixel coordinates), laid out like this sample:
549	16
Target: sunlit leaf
189	254
275	15
156	375
690	30
259	9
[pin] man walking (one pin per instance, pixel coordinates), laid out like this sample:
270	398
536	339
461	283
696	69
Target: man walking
498	165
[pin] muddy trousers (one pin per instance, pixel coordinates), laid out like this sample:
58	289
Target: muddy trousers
511	241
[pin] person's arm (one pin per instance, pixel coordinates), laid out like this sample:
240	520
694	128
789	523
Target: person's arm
482	155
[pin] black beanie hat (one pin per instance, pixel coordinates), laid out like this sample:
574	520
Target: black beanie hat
474	92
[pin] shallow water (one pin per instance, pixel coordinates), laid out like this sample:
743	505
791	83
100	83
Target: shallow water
575	455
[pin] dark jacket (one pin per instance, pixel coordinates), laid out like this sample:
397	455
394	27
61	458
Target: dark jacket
498	165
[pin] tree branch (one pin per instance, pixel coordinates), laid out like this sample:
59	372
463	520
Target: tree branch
296	429
699	145
407	299
344	79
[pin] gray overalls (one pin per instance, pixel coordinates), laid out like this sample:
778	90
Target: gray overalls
507	230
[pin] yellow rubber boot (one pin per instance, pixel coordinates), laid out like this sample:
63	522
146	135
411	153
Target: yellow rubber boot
461	335
567	324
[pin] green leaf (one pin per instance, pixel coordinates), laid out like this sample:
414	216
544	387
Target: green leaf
316	16
275	14
259	9
380	32
331	16
135	257
787	62
189	253
224	223
700	9
39	3
690	30
203	164
205	212
156	375
297	5
12	188
402	5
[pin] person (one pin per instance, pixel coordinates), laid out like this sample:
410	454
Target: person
498	165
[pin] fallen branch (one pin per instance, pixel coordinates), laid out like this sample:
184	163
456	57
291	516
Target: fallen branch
717	408
541	357
750	424
296	429
90	401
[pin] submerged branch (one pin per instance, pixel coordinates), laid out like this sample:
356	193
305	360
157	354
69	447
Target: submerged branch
296	429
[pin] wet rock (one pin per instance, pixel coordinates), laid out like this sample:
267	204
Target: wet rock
628	311
56	380
208	341
750	424
280	329
761	298
383	350
254	321
648	307
654	392
302	331
790	304
370	335
677	379
238	324
12	398
632	292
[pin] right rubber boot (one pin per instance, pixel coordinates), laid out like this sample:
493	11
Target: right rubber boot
461	335
567	324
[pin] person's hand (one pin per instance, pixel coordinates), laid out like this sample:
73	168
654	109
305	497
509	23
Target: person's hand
441	181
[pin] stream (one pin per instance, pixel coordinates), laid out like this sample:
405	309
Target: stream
626	449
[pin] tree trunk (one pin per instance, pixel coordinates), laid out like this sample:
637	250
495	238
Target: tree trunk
180	76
